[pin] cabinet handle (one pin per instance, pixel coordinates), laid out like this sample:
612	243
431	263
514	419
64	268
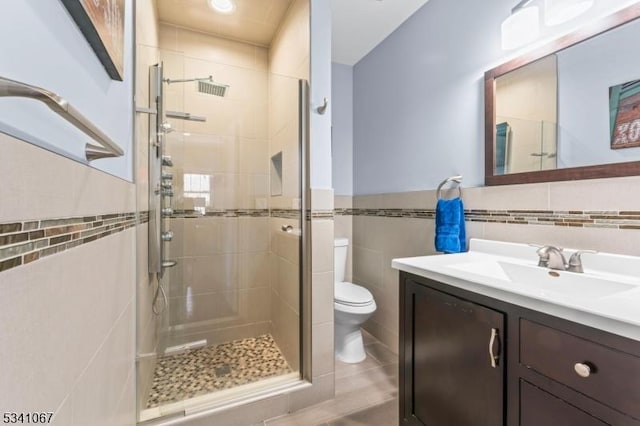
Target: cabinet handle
492	356
582	369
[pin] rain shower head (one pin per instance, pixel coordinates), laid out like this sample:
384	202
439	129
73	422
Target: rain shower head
212	88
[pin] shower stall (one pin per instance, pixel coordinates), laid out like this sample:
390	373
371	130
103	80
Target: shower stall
226	230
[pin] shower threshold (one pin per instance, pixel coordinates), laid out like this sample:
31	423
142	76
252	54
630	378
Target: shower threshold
226	398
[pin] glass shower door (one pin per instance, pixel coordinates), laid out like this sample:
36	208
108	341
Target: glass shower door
232	322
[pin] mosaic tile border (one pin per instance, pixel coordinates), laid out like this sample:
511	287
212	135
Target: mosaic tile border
25	242
279	213
191	214
612	219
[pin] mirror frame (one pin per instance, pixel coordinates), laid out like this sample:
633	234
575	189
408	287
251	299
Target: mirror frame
630	168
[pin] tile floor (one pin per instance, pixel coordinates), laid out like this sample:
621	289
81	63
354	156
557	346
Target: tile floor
215	367
366	394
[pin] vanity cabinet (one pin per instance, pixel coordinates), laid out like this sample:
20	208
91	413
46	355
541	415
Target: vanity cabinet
468	359
452	364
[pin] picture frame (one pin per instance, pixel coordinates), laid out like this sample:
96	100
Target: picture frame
102	24
624	109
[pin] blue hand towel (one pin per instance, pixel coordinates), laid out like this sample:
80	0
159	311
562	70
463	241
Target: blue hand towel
450	233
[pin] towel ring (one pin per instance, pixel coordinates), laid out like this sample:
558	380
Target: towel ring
456	179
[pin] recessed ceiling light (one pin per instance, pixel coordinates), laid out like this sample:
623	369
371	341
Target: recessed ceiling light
222	6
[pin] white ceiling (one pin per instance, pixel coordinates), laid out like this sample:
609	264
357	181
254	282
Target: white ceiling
254	21
360	25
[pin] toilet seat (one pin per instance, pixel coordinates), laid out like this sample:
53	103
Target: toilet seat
349	294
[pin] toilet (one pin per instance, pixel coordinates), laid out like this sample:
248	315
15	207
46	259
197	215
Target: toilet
353	305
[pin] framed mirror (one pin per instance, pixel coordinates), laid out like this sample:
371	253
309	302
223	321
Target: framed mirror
569	110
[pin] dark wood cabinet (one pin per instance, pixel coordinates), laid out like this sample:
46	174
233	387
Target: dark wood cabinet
540	408
449	337
452	362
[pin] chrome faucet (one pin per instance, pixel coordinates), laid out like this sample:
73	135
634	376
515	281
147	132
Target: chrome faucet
575	262
551	257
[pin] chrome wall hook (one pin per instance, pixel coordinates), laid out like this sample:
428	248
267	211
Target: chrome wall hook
323	108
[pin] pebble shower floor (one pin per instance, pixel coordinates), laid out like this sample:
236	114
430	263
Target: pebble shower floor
215	368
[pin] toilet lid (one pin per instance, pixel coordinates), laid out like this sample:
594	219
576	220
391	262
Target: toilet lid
352	294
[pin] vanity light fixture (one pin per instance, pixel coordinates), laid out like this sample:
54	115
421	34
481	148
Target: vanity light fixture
222	6
522	26
557	12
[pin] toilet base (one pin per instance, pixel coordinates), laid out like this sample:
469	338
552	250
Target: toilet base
349	346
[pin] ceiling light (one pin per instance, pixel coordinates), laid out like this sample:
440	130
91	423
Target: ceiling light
222	6
522	27
560	11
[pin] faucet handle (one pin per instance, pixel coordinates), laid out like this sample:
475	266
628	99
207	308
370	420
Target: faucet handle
575	261
543	253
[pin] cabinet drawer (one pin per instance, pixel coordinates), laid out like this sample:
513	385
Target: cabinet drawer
538	407
614	378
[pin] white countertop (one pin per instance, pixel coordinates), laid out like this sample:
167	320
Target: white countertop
617	313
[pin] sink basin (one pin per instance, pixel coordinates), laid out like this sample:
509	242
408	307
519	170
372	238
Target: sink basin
543	282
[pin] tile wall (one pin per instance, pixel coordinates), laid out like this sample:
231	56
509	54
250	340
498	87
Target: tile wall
288	62
218	288
68	317
602	214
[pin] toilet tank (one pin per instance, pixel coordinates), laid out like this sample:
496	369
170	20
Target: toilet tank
340	248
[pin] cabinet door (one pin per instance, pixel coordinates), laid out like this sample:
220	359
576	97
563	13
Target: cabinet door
538	407
448	364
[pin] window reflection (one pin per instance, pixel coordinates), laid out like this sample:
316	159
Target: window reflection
198	188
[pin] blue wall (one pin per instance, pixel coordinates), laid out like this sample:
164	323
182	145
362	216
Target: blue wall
40	44
418	98
342	128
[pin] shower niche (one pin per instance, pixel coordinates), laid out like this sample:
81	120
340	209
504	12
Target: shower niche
276	174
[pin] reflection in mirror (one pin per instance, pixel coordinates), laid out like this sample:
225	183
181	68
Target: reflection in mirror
570	110
526	131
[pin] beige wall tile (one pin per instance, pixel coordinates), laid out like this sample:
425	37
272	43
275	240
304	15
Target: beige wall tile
245	415
253	156
209	236
286	330
288	244
290	47
514	197
63	415
343	201
321	199
218	335
367	201
254	270
61	291
597	194
125	412
408	200
288	284
146	23
323	388
323	354
322	298
322	245
254	234
77	190
168	37
601	239
385	335
206	274
367	266
98	390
